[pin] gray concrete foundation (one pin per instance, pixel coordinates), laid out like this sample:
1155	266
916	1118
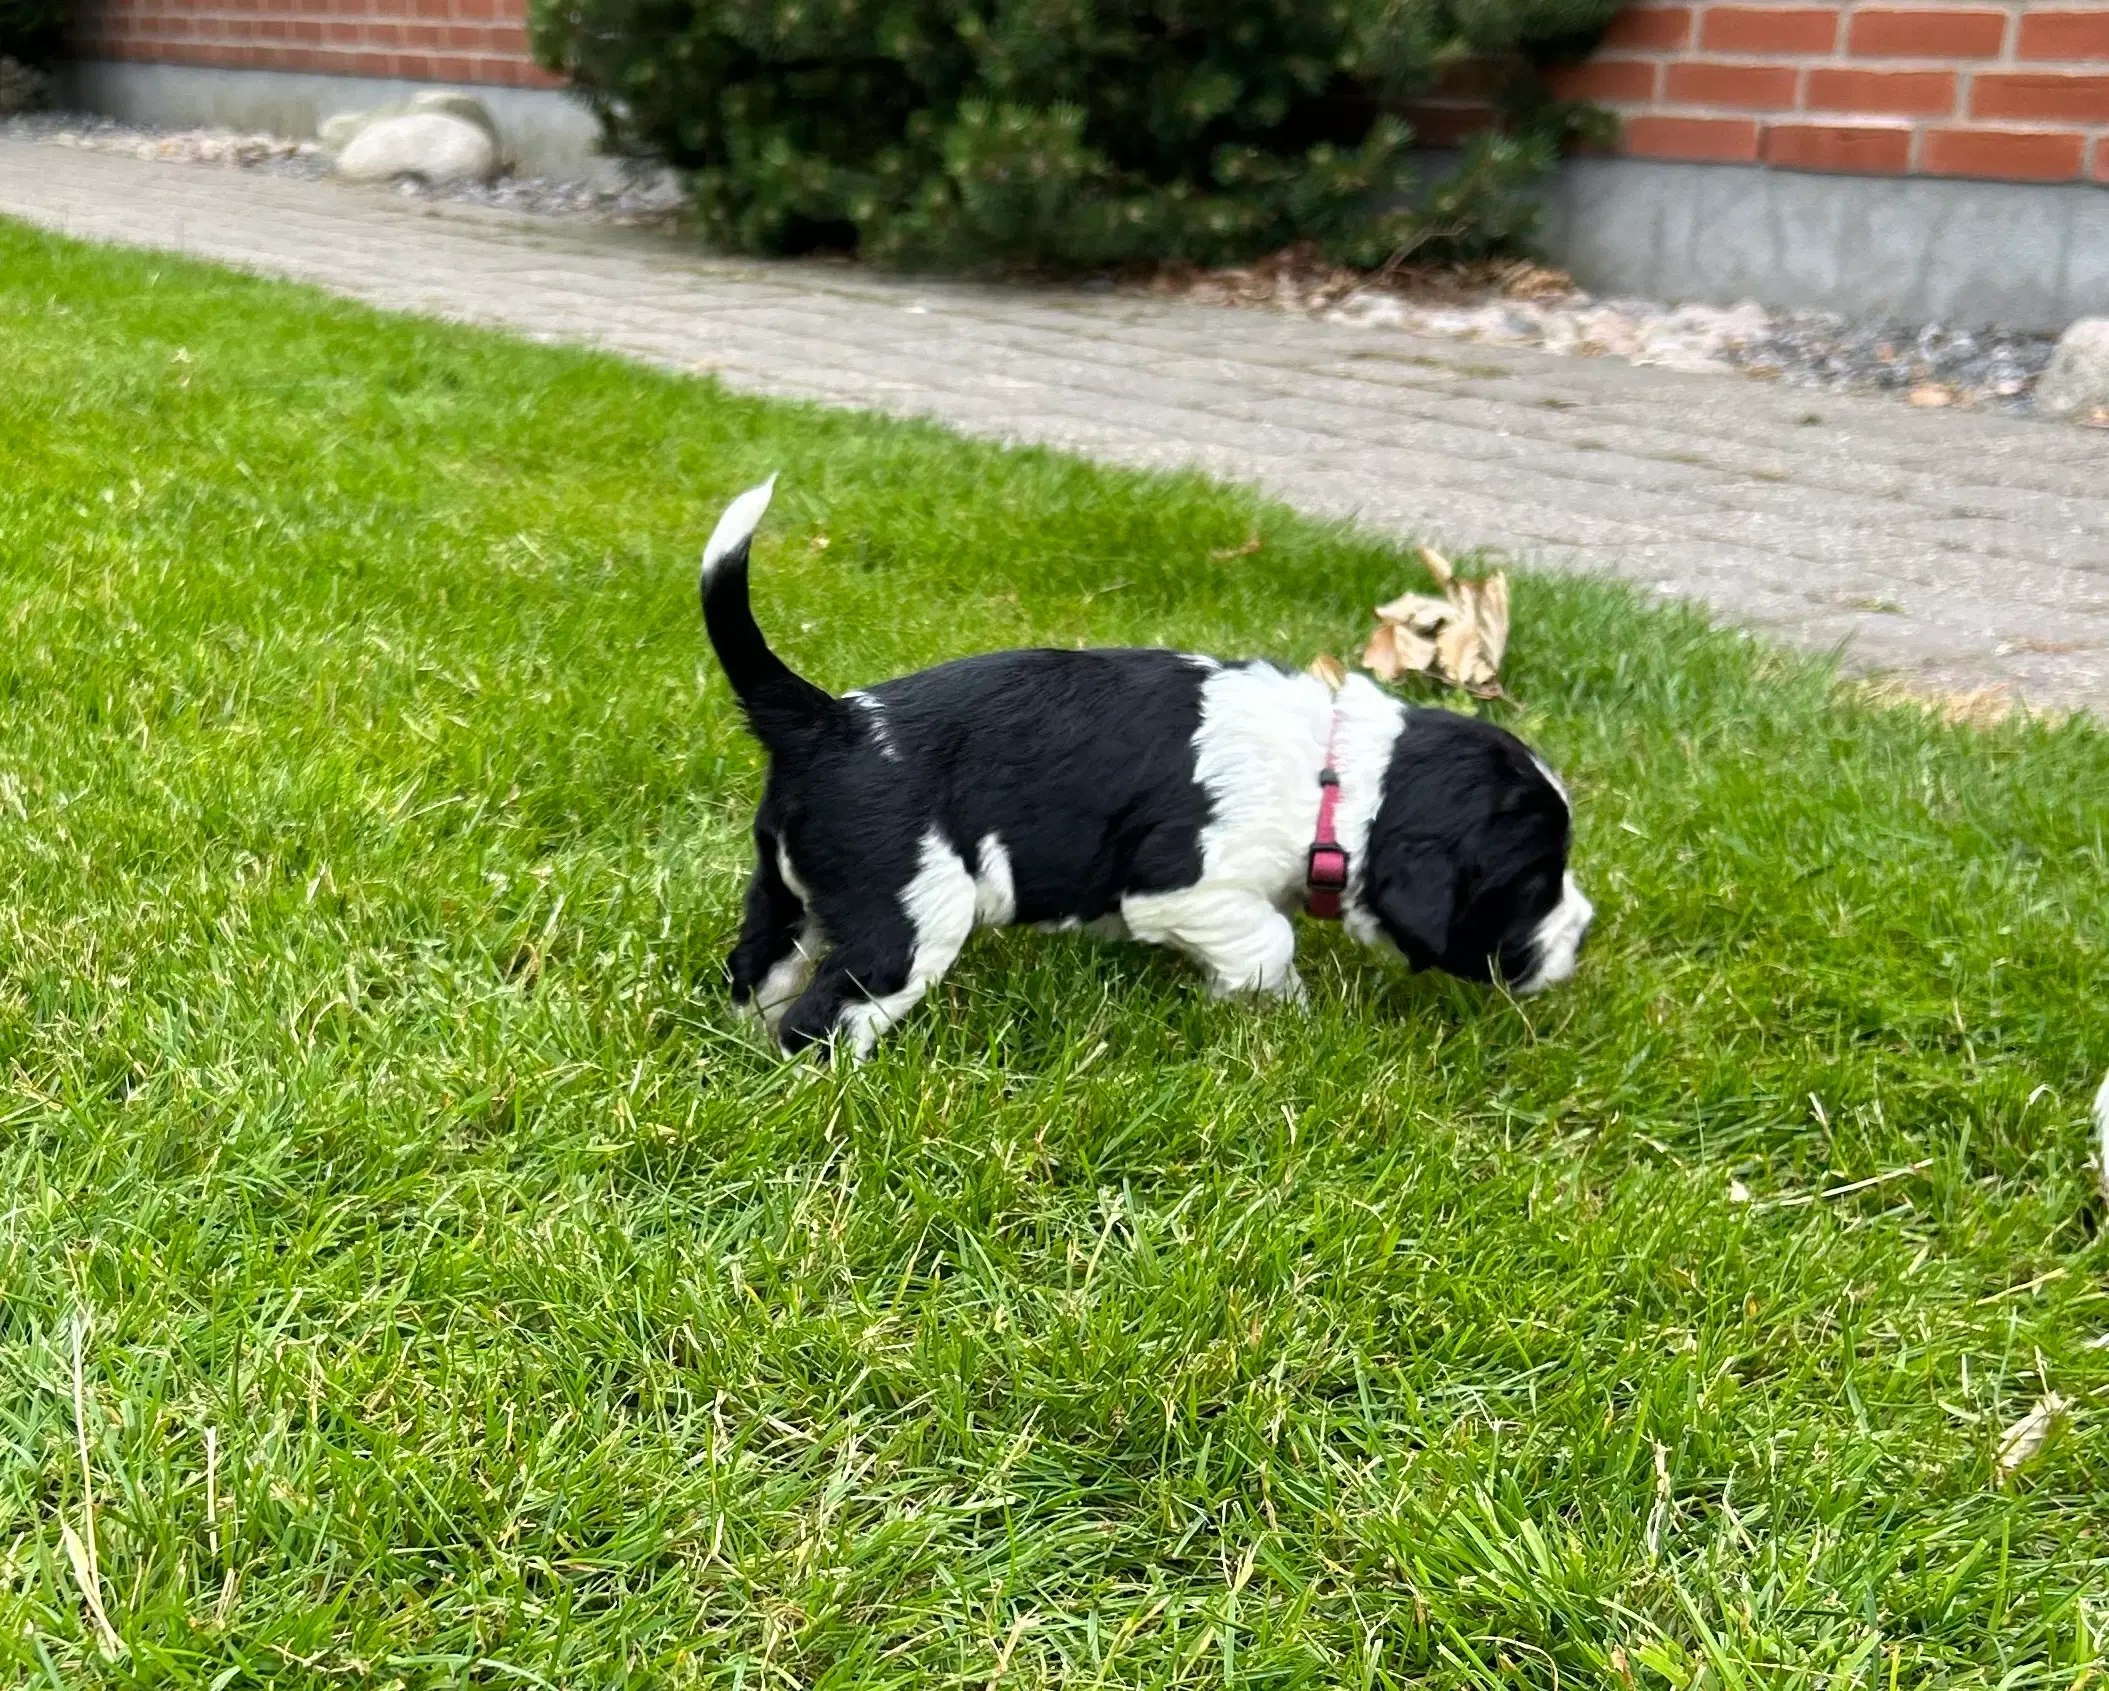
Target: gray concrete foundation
545	131
2025	255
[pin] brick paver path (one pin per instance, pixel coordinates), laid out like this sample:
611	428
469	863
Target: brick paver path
1961	551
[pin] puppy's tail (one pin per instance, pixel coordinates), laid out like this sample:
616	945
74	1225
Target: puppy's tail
779	703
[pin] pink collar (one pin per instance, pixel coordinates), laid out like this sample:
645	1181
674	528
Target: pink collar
1325	870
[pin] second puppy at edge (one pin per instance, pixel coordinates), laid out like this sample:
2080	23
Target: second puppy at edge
1174	799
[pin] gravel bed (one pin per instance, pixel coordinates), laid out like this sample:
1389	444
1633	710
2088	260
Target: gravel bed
1505	304
651	199
1513	303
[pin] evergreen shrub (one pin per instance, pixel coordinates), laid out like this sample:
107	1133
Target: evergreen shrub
958	133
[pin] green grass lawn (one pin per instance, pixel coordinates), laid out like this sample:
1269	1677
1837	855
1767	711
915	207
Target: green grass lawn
460	1297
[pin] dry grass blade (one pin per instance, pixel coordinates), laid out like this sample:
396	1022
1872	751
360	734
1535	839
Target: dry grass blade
2021	1443
1659	1516
1003	1660
85	1575
2101	1140
80	1547
212	1489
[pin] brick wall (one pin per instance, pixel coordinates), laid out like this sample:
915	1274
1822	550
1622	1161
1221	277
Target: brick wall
455	41
2008	89
2014	90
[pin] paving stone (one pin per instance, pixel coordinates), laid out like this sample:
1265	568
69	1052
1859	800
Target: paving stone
1961	550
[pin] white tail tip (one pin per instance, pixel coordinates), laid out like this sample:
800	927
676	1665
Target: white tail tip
736	527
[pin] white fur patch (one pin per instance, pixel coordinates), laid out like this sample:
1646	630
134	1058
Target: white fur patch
790	875
1257	753
995	899
939	904
1558	940
742	517
876	713
789	977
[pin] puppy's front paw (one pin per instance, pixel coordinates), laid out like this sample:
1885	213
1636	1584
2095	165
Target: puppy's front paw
1287	987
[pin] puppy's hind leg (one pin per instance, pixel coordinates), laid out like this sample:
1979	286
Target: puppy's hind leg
888	952
779	942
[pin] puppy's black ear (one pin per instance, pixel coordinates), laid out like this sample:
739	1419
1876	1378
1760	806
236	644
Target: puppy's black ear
1413	894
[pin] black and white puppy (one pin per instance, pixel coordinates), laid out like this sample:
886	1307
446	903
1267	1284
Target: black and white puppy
1149	794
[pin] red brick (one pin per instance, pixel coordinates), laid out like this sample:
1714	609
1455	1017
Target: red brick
1909	93
1927	35
1648	28
2101	160
1606	79
1715	139
1865	148
2040	97
2002	154
2064	35
1756	86
1752	29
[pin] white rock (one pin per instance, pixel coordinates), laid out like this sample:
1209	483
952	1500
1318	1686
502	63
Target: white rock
2078	378
336	132
432	146
457	104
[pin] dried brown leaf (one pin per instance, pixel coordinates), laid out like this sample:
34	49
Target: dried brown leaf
1328	669
1459	638
1381	656
1492	613
2023	1442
